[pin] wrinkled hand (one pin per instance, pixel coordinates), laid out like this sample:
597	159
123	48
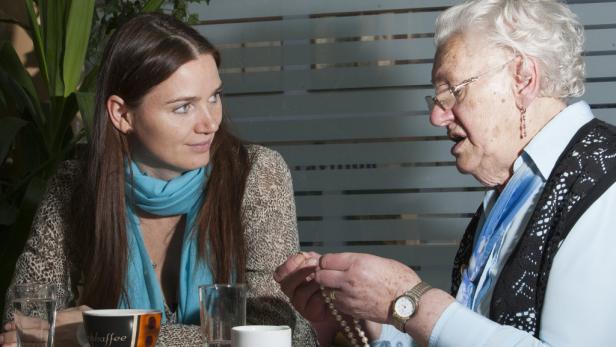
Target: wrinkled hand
34	330
365	285
296	278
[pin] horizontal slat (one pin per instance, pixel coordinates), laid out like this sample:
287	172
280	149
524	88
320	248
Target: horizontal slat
335	53
331	78
375	126
600	66
606	114
388	204
595	14
600	12
218	10
356	103
437	276
600	40
369	51
356	26
378	125
353	103
367	153
382	179
395	178
599	93
318	28
421	229
363	77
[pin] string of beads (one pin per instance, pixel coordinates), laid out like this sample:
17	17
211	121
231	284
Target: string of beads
350	333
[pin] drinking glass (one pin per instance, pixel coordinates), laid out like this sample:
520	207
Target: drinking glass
34	306
223	306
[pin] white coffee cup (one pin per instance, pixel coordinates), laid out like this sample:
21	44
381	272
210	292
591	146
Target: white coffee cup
261	336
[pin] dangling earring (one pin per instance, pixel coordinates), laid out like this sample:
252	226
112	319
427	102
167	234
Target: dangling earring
522	121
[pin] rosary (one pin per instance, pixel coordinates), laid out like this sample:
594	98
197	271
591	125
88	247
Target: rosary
329	300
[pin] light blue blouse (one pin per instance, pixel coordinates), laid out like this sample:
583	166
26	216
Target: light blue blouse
580	305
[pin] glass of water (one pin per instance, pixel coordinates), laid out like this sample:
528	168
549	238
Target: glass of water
223	306
34	307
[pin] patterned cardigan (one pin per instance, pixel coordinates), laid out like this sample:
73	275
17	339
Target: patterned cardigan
271	236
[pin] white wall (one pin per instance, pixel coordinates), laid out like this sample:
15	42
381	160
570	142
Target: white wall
337	87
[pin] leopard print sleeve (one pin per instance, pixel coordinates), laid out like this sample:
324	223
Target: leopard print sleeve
271	237
44	258
179	335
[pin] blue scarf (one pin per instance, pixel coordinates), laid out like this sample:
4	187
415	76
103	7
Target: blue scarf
517	191
181	195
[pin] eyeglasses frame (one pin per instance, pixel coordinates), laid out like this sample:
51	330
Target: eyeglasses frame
433	100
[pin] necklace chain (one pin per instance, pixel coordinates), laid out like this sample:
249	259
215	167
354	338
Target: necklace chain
350	332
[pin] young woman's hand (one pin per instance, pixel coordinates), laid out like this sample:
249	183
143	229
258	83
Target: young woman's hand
35	331
68	323
296	279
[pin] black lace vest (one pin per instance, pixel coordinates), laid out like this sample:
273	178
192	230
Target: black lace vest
585	169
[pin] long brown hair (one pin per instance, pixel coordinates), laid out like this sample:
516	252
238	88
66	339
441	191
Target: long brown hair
142	53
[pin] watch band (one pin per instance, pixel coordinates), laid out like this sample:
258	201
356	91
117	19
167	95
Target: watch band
414	294
418	290
398	323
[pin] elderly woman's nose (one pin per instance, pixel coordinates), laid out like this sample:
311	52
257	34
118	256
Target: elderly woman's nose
440	117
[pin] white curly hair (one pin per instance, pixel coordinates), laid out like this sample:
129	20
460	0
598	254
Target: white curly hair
545	30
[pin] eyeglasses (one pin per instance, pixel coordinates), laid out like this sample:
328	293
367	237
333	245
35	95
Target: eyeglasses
448	100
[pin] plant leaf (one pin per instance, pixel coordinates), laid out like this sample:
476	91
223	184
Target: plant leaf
26	95
54	39
9	127
89	81
86	107
19	103
39	45
152	5
8	213
10	63
64	134
2	100
76	45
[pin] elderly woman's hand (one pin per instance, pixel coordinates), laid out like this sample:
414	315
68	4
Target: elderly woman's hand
67	324
364	285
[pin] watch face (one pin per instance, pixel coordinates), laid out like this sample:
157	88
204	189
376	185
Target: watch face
404	307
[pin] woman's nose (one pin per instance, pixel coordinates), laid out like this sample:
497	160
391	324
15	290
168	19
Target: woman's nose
209	121
440	117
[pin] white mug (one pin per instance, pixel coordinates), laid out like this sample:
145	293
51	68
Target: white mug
261	336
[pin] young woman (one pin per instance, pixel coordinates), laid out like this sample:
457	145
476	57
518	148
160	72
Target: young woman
166	199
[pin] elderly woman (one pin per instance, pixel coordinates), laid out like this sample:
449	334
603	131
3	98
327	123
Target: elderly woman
536	264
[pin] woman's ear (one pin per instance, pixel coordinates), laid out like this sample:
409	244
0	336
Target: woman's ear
120	116
527	80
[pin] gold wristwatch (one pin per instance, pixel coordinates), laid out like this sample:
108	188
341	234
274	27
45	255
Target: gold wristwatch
404	306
